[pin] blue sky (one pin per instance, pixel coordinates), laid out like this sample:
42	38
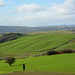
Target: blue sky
40	2
37	12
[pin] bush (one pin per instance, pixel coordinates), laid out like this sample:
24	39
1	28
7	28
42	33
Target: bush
67	51
60	52
10	60
51	52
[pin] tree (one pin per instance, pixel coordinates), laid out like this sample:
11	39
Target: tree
51	52
67	51
10	60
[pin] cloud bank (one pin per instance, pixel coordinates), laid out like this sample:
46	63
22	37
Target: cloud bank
35	15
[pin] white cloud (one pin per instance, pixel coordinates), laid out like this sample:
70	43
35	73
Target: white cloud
35	15
68	7
29	8
2	3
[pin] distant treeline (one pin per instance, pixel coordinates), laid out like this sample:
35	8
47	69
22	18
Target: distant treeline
9	37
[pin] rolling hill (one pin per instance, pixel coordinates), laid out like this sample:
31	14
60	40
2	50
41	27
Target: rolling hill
35	43
69	46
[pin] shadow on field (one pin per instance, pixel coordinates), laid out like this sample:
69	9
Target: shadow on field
38	73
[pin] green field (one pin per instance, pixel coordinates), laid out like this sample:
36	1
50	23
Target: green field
53	63
35	43
38	73
69	46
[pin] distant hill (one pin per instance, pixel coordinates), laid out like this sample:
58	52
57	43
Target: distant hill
21	29
54	32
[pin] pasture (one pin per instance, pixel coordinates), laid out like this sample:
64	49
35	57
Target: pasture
54	63
33	44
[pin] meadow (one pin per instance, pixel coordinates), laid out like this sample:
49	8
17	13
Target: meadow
60	64
55	63
69	46
33	44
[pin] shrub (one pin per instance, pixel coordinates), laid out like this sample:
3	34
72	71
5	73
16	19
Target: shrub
10	60
60	52
67	51
51	52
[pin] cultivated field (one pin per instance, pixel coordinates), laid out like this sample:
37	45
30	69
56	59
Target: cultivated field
32	44
69	46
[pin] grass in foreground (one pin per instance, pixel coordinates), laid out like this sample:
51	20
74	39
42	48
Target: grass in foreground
53	63
38	73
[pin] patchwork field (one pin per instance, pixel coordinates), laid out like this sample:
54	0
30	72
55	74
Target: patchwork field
53	63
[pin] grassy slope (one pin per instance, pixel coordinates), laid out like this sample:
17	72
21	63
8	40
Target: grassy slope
70	45
53	63
35	43
67	46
